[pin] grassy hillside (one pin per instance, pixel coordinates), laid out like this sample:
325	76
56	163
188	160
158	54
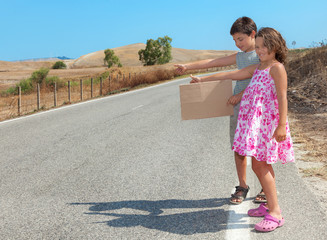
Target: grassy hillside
307	76
307	95
92	65
128	56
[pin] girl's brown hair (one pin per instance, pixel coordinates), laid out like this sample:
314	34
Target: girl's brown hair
274	41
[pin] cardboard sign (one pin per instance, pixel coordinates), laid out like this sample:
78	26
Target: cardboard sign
206	100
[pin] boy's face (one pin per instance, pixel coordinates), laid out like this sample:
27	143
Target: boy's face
244	42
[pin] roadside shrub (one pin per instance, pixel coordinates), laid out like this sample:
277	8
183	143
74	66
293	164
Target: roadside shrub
59	65
39	76
50	81
8	92
26	85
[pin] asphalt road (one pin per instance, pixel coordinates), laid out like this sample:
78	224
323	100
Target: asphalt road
127	167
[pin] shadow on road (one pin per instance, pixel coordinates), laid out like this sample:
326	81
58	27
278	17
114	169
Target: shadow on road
186	219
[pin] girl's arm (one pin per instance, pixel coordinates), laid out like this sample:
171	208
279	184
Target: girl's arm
208	63
278	73
240	74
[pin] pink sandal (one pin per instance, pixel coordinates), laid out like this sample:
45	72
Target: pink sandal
261	211
269	223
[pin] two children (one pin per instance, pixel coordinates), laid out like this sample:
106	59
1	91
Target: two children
262	129
243	32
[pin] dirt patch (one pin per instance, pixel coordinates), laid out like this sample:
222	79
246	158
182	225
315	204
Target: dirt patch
307	94
307	81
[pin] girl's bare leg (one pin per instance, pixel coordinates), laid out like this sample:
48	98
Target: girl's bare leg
266	176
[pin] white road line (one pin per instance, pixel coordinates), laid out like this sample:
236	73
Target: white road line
137	107
238	224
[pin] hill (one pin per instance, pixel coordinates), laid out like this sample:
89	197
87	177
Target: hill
49	59
128	56
92	63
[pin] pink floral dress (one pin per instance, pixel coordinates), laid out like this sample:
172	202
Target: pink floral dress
257	120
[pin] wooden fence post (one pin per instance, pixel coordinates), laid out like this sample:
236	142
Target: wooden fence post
69	97
19	100
38	97
81	84
100	86
91	87
109	83
55	95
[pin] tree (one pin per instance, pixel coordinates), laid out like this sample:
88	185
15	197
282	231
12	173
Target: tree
156	51
111	59
293	43
59	65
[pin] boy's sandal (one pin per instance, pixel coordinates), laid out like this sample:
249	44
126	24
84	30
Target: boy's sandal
269	223
260	198
235	196
261	211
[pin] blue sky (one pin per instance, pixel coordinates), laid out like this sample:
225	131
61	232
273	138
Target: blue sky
34	29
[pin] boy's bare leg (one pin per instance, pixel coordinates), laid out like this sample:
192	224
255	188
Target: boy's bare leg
241	164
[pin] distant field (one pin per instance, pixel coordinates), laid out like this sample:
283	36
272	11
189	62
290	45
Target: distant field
92	64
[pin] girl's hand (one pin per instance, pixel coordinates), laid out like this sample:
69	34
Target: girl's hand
180	68
280	133
195	79
235	99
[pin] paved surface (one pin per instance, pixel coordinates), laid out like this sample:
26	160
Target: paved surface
127	167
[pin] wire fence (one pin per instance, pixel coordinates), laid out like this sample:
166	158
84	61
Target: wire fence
78	90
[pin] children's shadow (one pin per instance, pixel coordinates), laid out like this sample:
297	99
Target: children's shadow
174	216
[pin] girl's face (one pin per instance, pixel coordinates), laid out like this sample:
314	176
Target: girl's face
262	51
244	42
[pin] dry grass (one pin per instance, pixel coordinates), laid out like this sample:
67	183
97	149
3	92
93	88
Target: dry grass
307	81
114	81
92	64
308	106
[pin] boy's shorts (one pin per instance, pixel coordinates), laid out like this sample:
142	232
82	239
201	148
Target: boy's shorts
233	123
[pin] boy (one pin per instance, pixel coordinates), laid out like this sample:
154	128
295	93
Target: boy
243	32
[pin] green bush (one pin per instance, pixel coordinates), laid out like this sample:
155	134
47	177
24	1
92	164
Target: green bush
50	81
39	76
59	65
26	85
9	91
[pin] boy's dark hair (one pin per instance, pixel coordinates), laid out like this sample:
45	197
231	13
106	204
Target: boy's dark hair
243	25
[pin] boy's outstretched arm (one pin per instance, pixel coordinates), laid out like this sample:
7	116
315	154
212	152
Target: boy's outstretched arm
240	74
208	63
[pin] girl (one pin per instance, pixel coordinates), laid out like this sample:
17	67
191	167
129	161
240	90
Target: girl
262	129
243	32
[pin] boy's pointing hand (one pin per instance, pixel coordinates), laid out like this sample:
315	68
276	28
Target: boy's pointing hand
180	68
195	79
